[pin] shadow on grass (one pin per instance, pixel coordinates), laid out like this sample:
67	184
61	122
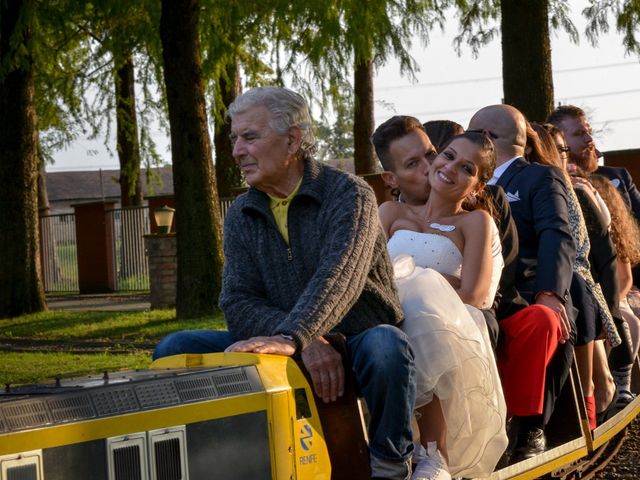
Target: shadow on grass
103	326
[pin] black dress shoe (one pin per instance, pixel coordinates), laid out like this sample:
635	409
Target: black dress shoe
529	444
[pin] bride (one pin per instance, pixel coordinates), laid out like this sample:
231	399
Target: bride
448	261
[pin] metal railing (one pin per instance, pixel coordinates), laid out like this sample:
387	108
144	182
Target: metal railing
130	265
129	225
225	203
58	253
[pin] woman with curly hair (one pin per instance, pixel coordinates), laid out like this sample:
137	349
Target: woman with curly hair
625	233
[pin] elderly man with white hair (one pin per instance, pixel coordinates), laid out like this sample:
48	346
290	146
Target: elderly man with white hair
305	256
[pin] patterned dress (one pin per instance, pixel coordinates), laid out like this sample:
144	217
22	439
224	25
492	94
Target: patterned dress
582	266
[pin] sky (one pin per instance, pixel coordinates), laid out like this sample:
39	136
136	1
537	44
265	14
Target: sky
602	80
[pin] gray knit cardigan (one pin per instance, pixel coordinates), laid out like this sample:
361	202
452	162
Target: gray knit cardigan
335	274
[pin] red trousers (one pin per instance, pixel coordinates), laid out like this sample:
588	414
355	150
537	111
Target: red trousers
530	340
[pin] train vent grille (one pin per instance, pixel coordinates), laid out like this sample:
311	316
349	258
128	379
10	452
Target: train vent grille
126	462
232	383
157	394
127	457
168	463
22	466
71	408
23	472
195	389
114	401
3	424
26	414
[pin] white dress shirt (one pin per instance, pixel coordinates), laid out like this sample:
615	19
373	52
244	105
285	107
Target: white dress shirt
497	173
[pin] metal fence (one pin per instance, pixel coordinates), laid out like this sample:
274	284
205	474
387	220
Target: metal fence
225	203
129	260
130	267
59	254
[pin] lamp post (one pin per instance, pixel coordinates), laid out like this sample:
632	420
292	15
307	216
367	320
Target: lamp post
164	218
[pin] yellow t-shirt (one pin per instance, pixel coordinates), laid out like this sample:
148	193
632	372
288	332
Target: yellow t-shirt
280	209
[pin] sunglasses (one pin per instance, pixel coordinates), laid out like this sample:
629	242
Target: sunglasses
484	132
562	149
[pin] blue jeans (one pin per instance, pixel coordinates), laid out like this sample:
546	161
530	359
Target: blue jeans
382	363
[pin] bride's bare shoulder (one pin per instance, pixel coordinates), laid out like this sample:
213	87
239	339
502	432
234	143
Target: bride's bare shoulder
476	219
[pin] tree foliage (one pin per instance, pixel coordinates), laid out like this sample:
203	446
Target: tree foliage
335	141
329	41
122	39
626	14
479	22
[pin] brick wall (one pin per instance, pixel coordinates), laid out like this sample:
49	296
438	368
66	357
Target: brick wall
161	253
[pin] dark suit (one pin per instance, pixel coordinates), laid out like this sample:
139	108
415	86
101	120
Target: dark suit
538	199
621	179
508	299
537	196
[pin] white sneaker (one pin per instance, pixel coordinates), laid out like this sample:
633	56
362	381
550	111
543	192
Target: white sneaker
433	466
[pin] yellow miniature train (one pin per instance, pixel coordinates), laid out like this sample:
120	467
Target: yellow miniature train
220	416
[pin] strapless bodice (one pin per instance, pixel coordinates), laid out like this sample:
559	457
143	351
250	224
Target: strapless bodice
428	250
438	252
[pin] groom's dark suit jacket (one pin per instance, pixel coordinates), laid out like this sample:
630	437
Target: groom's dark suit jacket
538	199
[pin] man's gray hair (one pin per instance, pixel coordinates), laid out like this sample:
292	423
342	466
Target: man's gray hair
288	109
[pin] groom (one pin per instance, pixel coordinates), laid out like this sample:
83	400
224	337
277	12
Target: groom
529	334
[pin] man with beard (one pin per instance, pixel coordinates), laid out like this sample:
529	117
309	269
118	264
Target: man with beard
573	122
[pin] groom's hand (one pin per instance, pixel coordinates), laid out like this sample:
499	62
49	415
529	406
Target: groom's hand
324	364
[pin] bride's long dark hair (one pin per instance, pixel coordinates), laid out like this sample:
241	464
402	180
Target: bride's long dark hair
483	199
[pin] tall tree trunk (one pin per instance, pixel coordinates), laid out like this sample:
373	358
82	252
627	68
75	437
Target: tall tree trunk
127	134
363	122
228	174
198	231
20	277
526	57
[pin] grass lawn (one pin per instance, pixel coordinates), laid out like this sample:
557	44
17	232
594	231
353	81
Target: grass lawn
64	328
27	368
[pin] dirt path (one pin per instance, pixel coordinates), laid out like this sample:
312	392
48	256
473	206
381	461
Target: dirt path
626	465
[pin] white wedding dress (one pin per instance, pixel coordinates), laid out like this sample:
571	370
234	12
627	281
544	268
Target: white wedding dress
452	349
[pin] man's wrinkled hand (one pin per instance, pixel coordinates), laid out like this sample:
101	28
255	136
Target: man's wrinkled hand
324	364
556	305
276	345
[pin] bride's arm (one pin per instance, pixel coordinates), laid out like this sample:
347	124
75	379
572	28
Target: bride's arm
477	264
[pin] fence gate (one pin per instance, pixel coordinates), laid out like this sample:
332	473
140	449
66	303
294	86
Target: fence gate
58	253
130	261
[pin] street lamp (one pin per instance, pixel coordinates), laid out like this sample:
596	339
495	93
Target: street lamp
164	218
